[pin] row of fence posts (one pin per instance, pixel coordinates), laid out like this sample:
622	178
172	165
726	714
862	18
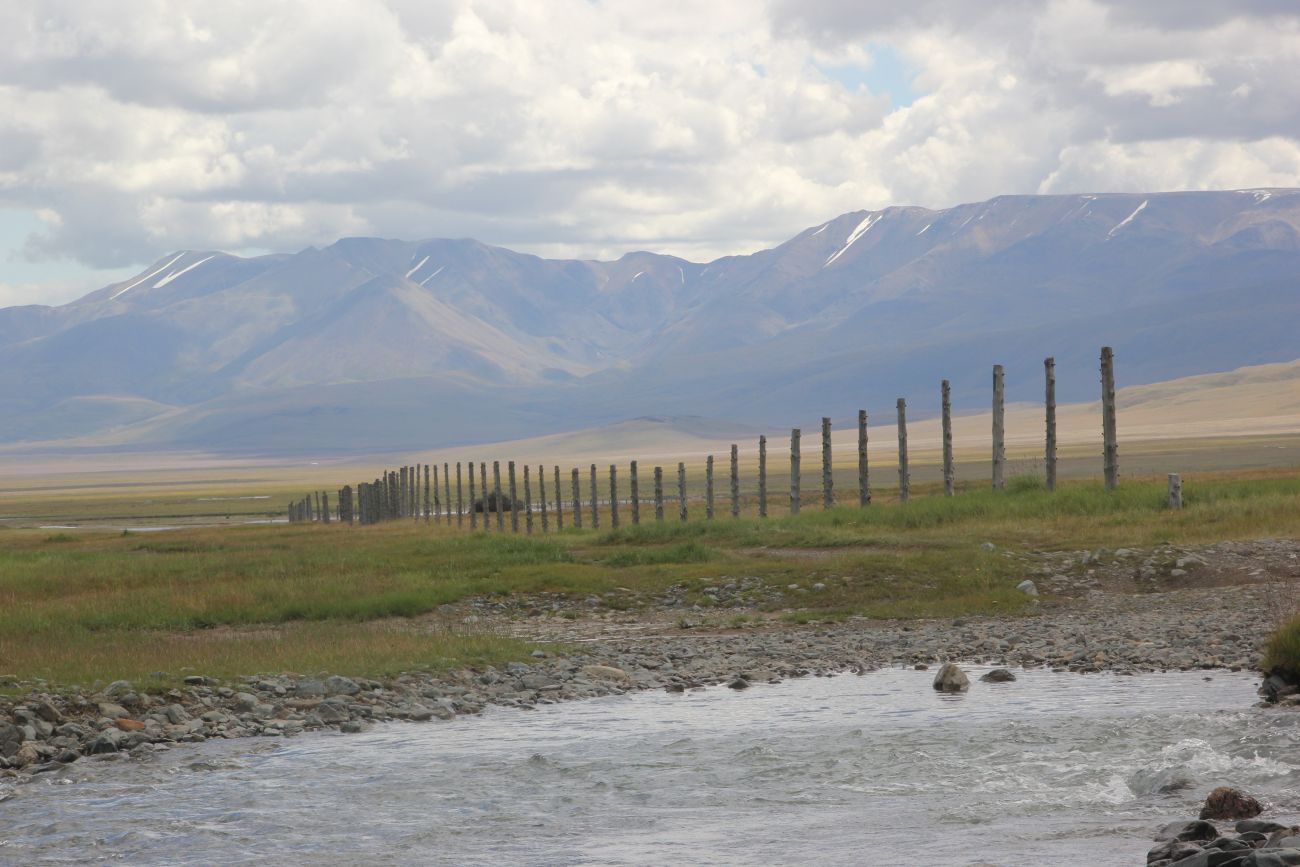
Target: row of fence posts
420	492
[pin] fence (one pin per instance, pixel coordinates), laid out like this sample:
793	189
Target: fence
413	492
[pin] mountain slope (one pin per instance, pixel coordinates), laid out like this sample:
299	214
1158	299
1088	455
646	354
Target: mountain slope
411	344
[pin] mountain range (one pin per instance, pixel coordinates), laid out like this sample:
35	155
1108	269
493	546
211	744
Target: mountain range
371	345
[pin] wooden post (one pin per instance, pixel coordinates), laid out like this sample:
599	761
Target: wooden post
1175	491
483	493
473	506
460	499
325	506
514	497
681	492
999	429
828	482
864	472
762	476
401	493
904	479
559	502
426	493
498	497
613	496
794	471
1049	453
735	480
595	501
577	500
437	501
1110	446
949	473
708	488
636	498
541	497
659	493
446	490
528	502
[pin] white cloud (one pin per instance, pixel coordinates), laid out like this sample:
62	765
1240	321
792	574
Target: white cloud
593	128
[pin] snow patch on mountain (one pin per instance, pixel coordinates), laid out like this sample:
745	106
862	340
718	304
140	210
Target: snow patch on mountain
862	229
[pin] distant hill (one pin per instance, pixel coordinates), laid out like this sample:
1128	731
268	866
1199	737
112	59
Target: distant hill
376	345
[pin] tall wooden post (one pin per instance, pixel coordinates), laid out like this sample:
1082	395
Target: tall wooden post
828	482
1110	446
864	472
426	493
708	488
499	497
794	471
681	492
735	480
904	478
1049	452
460	499
1175	491
541	497
762	476
483	486
595	501
577	499
446	491
999	428
528	502
659	493
325	506
514	498
402	483
437	501
559	501
636	495
473	506
613	496
949	473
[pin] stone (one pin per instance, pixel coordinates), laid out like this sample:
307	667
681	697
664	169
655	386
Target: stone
128	725
1187	831
538	681
950	678
309	687
1259	826
107	741
1226	802
48	712
738	683
10	739
118	688
337	685
331	713
112	711
606	672
245	701
352	727
988	546
1172	851
1027	587
27	754
998	675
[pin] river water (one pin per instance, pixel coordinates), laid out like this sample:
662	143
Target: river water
877	769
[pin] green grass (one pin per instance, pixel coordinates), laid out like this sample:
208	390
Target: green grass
1282	653
246	597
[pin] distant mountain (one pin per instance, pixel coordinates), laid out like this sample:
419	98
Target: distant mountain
376	345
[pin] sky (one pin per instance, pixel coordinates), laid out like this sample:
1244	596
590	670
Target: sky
589	129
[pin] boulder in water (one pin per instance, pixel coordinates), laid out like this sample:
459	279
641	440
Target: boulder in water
1226	802
951	679
998	675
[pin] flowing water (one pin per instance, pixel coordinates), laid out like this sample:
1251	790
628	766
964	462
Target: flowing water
878	769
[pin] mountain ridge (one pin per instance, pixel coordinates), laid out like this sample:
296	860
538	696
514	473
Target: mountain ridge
867	305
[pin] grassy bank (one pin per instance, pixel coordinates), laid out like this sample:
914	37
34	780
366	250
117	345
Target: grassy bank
84	605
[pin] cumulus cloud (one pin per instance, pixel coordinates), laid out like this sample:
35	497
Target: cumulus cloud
590	128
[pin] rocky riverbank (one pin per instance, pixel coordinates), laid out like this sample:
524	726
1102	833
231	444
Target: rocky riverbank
1101	626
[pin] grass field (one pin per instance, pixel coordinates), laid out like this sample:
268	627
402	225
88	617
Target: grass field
76	606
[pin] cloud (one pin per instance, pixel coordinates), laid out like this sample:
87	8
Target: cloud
594	128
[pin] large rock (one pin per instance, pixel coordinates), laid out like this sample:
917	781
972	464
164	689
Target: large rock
951	679
10	739
606	672
1226	802
998	675
1187	831
337	685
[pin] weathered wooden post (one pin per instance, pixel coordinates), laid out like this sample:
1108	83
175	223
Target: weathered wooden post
708	488
904	478
528	502
681	492
437	501
498	497
762	476
473	507
636	495
514	497
659	493
559	502
483	493
427	514
999	429
864	472
1110	446
613	496
735	480
1049	453
595	500
794	471
318	511
1175	491
446	490
325	506
828	482
460	499
577	500
401	492
541	497
949	473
